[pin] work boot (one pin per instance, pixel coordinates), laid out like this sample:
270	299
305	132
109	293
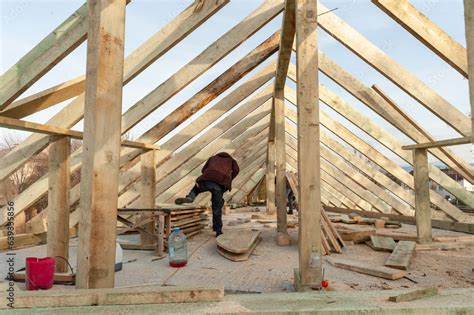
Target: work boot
186	199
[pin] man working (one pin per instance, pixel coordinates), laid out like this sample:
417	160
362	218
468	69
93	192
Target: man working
217	176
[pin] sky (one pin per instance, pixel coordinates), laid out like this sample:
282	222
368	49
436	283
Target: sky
24	23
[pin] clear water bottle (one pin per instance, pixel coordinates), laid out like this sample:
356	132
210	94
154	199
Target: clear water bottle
177	248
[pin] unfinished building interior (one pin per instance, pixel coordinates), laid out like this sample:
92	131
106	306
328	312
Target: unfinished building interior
360	216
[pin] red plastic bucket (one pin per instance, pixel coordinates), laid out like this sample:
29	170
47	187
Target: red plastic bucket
39	273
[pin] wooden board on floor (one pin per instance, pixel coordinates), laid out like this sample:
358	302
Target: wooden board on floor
398	235
414	295
237	241
239	257
118	296
443	246
383	243
136	246
366	268
355	234
401	255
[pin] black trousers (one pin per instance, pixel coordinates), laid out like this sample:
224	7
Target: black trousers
217	192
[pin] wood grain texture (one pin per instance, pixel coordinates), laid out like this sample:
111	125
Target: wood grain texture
426	31
309	233
422	196
366	268
58	201
102	130
401	256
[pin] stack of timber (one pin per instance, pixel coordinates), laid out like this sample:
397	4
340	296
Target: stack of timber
331	240
238	245
190	221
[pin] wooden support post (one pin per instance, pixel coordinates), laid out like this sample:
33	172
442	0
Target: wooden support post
309	244
58	201
277	132
102	129
148	183
282	238
422	196
469	21
270	177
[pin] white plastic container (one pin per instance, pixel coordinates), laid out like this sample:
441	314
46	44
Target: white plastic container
118	257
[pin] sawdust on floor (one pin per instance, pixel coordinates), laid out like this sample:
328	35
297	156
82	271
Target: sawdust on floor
270	267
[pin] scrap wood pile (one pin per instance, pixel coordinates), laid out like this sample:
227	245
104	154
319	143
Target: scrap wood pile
238	245
380	235
374	233
190	221
331	240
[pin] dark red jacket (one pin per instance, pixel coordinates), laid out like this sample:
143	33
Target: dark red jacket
220	168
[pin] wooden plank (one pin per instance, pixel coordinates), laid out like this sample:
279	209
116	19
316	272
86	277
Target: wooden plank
58	201
351	157
422	196
356	235
286	43
427	32
282	237
249	62
270	179
414	295
439	224
436	144
44	56
309	244
237	241
17	124
206	59
102	136
380	61
393	144
401	255
181	164
382	243
44	99
241	256
59	278
469	23
332	228
365	268
385	108
23	240
148	184
119	296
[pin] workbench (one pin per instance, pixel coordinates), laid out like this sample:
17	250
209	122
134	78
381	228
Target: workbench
160	216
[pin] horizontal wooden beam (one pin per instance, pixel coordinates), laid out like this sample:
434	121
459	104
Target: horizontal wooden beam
17	124
437	144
